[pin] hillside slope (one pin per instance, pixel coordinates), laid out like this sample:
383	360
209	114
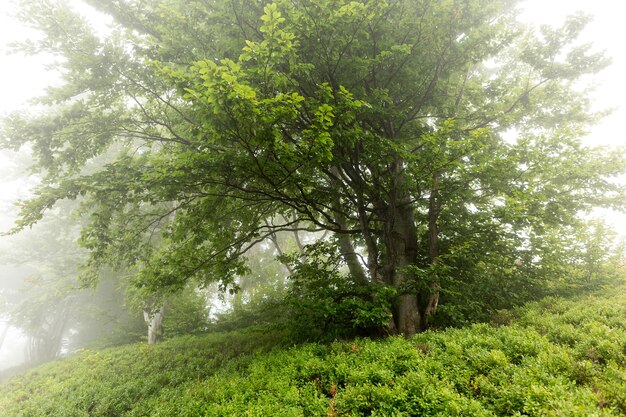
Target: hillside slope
553	358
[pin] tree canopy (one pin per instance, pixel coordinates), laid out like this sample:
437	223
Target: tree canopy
438	141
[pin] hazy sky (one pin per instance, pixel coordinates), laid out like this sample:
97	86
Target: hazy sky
24	77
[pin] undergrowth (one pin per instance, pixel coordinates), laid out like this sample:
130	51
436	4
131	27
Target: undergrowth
551	358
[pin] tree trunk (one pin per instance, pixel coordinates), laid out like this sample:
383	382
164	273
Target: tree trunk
432	298
45	343
401	252
154	319
402	243
3	336
350	257
153	313
346	247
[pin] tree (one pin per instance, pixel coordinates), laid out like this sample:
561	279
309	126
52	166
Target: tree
48	303
385	123
44	304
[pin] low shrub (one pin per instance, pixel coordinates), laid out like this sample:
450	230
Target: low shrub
555	358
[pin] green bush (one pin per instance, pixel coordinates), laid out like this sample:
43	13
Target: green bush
324	303
186	313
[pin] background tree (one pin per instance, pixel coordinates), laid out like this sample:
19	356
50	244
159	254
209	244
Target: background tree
49	304
385	123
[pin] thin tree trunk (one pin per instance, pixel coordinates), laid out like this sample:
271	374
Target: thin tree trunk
154	319
432	298
46	342
350	257
152	315
345	243
3	336
348	253
274	239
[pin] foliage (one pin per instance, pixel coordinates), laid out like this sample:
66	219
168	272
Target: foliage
563	262
550	358
384	123
324	303
186	313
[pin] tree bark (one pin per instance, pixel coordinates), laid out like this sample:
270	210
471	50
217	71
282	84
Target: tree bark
46	342
154	319
350	257
432	298
346	247
401	248
3	336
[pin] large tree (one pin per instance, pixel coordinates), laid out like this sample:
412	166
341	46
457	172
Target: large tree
422	134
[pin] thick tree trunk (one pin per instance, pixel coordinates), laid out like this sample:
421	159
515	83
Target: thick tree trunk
401	253
154	320
402	244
